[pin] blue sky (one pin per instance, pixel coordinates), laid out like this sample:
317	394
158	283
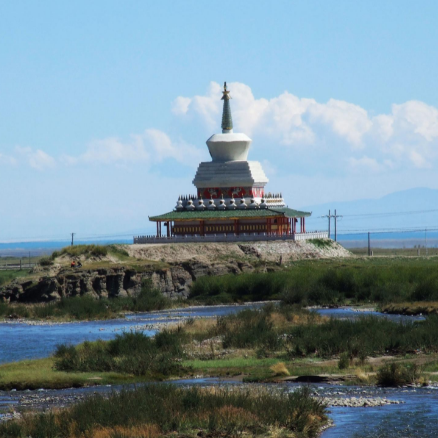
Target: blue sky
105	106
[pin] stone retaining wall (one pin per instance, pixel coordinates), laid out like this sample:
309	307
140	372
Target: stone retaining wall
263	237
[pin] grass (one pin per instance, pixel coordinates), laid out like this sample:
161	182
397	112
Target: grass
87	308
329	282
300	333
129	353
40	373
78	250
165	410
321	243
415	308
259	344
241	363
397	252
397	374
6	276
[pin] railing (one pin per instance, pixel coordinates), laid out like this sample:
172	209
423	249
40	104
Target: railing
16	266
230	237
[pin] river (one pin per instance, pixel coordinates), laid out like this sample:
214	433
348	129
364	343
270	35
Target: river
415	417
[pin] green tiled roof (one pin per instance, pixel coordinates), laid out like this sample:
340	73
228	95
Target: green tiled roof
228	214
290	212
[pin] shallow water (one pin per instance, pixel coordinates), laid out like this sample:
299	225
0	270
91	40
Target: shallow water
351	313
19	341
417	417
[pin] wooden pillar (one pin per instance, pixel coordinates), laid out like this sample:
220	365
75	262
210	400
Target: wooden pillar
168	228
304	224
157	228
202	227
236	227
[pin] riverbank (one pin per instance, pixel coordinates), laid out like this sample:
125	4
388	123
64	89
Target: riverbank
117	271
274	344
166	410
392	284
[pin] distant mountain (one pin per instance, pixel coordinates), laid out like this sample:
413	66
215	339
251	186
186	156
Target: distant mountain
396	213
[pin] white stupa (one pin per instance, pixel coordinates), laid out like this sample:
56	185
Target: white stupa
230	167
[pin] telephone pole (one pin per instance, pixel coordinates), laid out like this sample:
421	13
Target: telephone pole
335	217
369	243
72	238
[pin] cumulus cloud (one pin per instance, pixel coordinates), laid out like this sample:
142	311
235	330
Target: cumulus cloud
153	146
331	136
343	131
38	159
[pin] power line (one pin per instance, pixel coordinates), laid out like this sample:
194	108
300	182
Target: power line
388	231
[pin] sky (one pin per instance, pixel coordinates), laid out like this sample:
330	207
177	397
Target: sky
105	106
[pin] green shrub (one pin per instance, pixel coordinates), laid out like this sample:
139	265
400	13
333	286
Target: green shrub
344	361
321	243
397	374
86	250
115	249
326	283
181	412
149	299
46	261
131	353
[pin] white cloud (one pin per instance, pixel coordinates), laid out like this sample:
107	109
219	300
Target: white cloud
365	164
405	137
418	160
164	148
38	159
153	146
181	105
7	159
112	150
315	137
347	120
418	118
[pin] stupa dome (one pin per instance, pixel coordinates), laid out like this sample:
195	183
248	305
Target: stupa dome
229	147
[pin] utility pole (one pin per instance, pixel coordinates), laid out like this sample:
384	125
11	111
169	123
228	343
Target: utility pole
335	217
72	236
425	240
329	216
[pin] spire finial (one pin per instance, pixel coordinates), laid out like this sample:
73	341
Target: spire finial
227	121
225	93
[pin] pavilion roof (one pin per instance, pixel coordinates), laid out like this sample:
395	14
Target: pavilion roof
230	214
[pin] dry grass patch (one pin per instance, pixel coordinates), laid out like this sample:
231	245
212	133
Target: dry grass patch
361	375
280	369
199	326
144	431
415	308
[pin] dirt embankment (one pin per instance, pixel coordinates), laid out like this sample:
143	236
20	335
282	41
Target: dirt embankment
208	252
172	268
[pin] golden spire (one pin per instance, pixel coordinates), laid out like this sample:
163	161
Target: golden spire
226	93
